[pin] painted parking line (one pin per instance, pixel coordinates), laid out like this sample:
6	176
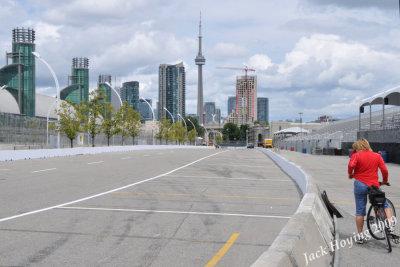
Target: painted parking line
236	165
230	178
95	162
223	250
125	158
45	170
106	192
4	169
180	212
203	195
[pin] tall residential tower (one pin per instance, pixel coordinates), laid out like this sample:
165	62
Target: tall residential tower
171	91
200	61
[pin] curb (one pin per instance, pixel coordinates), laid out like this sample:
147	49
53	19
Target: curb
6	155
305	240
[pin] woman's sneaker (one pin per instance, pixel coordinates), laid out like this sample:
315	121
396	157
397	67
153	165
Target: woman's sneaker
360	239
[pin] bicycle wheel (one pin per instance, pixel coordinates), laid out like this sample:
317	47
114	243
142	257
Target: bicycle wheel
376	226
382	216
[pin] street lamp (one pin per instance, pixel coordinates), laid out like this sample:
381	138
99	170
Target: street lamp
194	127
173	121
179	115
152	111
115	91
57	87
3	87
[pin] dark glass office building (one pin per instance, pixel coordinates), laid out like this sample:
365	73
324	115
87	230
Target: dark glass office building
209	109
231	104
262	109
130	94
145	111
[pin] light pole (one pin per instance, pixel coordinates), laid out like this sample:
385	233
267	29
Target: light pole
3	87
194	127
47	126
152	111
115	91
173	121
57	87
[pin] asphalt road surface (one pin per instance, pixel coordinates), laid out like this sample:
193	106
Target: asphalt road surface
143	208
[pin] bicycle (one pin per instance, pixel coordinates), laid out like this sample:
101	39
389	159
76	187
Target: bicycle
377	221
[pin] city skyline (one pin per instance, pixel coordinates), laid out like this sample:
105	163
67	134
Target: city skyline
312	56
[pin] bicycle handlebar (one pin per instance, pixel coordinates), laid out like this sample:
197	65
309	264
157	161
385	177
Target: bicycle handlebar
387	184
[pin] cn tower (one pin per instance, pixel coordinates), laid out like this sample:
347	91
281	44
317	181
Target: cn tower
200	61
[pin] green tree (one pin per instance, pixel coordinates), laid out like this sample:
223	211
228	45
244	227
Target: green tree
70	122
179	132
198	128
242	132
230	131
133	124
163	127
94	109
109	122
192	134
218	139
121	118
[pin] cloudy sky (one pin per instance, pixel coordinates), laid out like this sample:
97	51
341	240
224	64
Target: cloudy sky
319	57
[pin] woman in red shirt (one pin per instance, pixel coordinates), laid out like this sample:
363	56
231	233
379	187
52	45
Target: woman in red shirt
363	167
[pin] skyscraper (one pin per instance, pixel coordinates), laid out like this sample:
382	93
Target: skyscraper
104	83
23	44
218	116
78	91
130	94
200	61
262	109
247	99
209	109
144	110
171	91
231	104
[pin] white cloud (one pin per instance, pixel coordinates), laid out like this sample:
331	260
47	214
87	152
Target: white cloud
222	51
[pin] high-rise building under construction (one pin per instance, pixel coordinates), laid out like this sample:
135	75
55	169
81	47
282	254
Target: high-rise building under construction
246	110
78	91
23	44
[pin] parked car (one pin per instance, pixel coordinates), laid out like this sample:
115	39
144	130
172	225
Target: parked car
250	145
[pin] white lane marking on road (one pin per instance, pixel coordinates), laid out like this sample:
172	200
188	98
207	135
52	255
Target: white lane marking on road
146	155
230	178
4	169
125	158
180	212
107	192
95	162
236	165
45	170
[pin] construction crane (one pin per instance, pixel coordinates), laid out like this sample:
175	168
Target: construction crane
245	69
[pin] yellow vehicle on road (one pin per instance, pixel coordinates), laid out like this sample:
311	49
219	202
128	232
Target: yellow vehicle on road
268	143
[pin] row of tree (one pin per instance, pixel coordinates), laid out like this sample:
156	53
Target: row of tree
97	116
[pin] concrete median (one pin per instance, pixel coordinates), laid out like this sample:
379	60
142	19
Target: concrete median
308	238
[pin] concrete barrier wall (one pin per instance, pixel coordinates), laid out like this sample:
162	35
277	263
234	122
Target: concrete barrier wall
306	240
6	155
